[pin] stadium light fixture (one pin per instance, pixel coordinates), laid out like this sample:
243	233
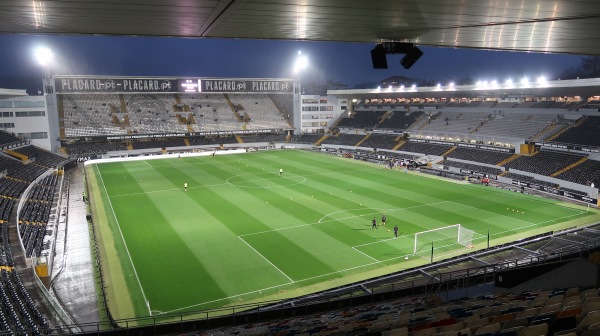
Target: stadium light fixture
524	81
438	87
413	87
43	55
542	81
402	88
509	83
301	63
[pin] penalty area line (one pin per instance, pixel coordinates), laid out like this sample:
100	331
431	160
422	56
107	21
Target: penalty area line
267	260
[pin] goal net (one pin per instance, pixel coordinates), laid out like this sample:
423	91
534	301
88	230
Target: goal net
444	238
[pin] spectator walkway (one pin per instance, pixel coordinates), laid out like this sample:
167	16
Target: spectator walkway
72	270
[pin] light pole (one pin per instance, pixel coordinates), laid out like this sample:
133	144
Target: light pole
44	57
300	64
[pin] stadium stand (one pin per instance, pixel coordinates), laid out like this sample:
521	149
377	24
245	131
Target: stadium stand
472	166
584	134
258	111
381	141
424	148
34	216
83	148
344	139
530	179
478	155
400	120
200	141
361	119
42	157
545	162
89	115
585	173
514	125
8	140
264	138
157	143
456	122
307	138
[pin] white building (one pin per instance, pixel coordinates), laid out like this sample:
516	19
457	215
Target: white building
319	113
28	118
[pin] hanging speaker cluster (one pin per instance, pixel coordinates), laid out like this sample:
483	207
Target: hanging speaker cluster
411	52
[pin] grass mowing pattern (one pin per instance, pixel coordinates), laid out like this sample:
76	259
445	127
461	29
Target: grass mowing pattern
241	231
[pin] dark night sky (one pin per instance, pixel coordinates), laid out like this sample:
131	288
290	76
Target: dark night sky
348	63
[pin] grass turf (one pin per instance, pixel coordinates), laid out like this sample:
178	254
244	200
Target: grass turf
242	232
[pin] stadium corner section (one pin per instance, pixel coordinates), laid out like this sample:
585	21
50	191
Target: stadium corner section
117	287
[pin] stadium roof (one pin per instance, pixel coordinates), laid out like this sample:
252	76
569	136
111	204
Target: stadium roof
558	26
557	88
10	93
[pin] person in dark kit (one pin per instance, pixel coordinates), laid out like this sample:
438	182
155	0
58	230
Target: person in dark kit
374	224
396	231
383	220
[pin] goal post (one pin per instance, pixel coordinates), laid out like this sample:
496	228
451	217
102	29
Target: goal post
446	235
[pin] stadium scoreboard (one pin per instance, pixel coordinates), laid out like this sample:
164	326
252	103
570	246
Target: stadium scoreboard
78	84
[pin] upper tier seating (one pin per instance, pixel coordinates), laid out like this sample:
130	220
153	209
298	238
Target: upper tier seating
424	148
90	114
544	162
211	112
400	120
588	133
362	119
478	155
515	125
262	111
153	114
456	122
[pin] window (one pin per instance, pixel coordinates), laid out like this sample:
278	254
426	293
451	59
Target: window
309	101
30	113
7	125
29	103
5	104
326	108
34	135
6	114
323	100
310	108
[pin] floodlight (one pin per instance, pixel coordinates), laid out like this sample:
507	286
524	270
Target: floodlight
301	63
43	55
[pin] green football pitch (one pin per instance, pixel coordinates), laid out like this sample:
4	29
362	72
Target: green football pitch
243	233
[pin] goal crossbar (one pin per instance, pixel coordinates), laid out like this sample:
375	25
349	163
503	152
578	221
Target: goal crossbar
463	236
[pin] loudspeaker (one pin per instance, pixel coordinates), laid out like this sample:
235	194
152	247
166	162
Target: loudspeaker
413	55
378	57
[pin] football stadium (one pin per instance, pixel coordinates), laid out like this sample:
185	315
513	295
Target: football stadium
244	206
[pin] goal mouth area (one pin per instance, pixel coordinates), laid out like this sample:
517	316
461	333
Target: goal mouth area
447	240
